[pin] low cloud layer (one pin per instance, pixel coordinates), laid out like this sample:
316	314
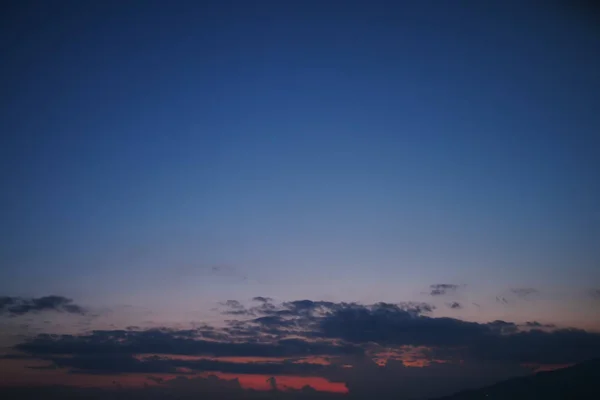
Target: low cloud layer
370	349
180	342
306	328
126	363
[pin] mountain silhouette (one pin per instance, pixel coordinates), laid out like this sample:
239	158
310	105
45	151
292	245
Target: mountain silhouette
581	381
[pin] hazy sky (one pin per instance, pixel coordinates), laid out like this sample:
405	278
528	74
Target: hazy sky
169	156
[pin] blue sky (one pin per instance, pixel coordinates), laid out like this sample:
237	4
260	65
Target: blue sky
177	155
435	163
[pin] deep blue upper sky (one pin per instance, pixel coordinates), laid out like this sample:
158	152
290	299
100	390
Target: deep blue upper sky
359	145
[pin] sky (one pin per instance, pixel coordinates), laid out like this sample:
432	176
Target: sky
420	165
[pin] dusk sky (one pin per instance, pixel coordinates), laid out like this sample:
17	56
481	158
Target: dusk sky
428	167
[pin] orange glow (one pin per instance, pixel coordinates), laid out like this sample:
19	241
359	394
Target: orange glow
259	382
410	357
15	373
314	360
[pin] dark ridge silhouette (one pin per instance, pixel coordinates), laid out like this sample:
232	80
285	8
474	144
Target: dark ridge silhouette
581	381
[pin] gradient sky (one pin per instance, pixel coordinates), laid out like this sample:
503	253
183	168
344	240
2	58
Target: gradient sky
168	156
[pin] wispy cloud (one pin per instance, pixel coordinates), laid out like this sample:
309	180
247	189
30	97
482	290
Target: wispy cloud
524	292
262	299
440	289
305	327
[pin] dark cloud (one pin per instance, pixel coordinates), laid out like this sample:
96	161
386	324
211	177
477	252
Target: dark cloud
440	289
502	327
178	342
304	327
501	300
16	306
125	363
494	341
15	357
262	299
233	304
238	312
416	308
535	324
273	320
234	307
455	305
111	364
320	308
222	269
523	292
264	308
6	301
595	293
261	368
390	326
303	317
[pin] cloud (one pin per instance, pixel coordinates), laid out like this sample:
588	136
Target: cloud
302	317
111	364
233	304
455	305
314	308
595	293
535	324
262	299
237	312
440	289
318	328
501	300
222	270
234	307
16	306
126	363
177	342
502	327
388	326
524	292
